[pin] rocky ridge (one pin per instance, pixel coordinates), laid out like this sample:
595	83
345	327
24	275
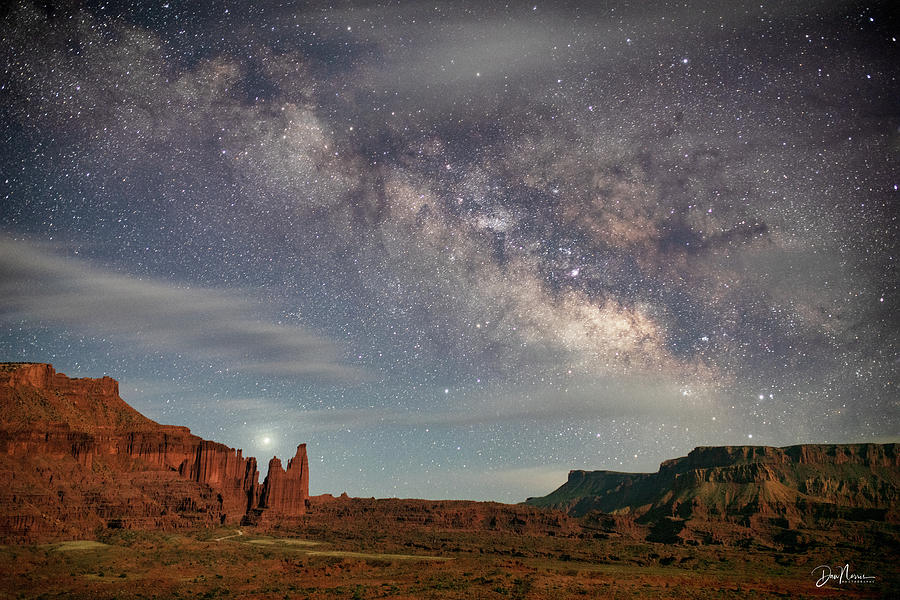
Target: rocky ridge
76	458
721	493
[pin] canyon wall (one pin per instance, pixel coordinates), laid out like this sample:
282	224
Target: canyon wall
76	457
716	492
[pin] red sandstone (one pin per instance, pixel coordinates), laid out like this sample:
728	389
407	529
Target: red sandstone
77	457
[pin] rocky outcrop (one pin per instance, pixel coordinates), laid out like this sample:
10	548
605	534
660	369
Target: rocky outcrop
34	394
757	488
224	469
287	491
77	457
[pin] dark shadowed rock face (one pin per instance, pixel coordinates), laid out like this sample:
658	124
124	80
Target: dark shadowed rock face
76	457
754	487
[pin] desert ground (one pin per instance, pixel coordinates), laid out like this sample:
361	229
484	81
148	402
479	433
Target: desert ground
415	562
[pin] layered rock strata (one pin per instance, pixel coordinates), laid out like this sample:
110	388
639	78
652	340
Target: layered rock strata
716	492
76	457
287	490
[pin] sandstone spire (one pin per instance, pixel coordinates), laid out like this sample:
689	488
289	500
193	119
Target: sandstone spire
286	492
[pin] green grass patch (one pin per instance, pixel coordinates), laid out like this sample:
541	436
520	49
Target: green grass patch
78	545
282	542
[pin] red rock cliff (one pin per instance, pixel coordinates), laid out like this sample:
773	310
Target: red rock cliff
35	394
758	488
77	457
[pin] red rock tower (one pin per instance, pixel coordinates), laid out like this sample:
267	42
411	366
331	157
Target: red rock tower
286	492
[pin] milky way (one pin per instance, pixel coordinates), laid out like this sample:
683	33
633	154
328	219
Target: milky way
460	249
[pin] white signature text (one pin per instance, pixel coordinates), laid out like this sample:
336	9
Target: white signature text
843	575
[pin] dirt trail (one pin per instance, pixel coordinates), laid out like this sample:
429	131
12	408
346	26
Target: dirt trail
239	532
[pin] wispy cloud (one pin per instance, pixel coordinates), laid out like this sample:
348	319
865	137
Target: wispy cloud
39	286
602	398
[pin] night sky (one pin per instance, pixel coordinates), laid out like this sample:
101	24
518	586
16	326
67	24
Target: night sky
460	249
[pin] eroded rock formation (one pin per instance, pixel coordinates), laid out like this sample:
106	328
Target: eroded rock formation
76	457
287	491
731	491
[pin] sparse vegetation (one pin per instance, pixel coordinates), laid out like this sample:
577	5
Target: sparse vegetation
480	564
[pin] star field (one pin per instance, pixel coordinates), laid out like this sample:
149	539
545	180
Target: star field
460	248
